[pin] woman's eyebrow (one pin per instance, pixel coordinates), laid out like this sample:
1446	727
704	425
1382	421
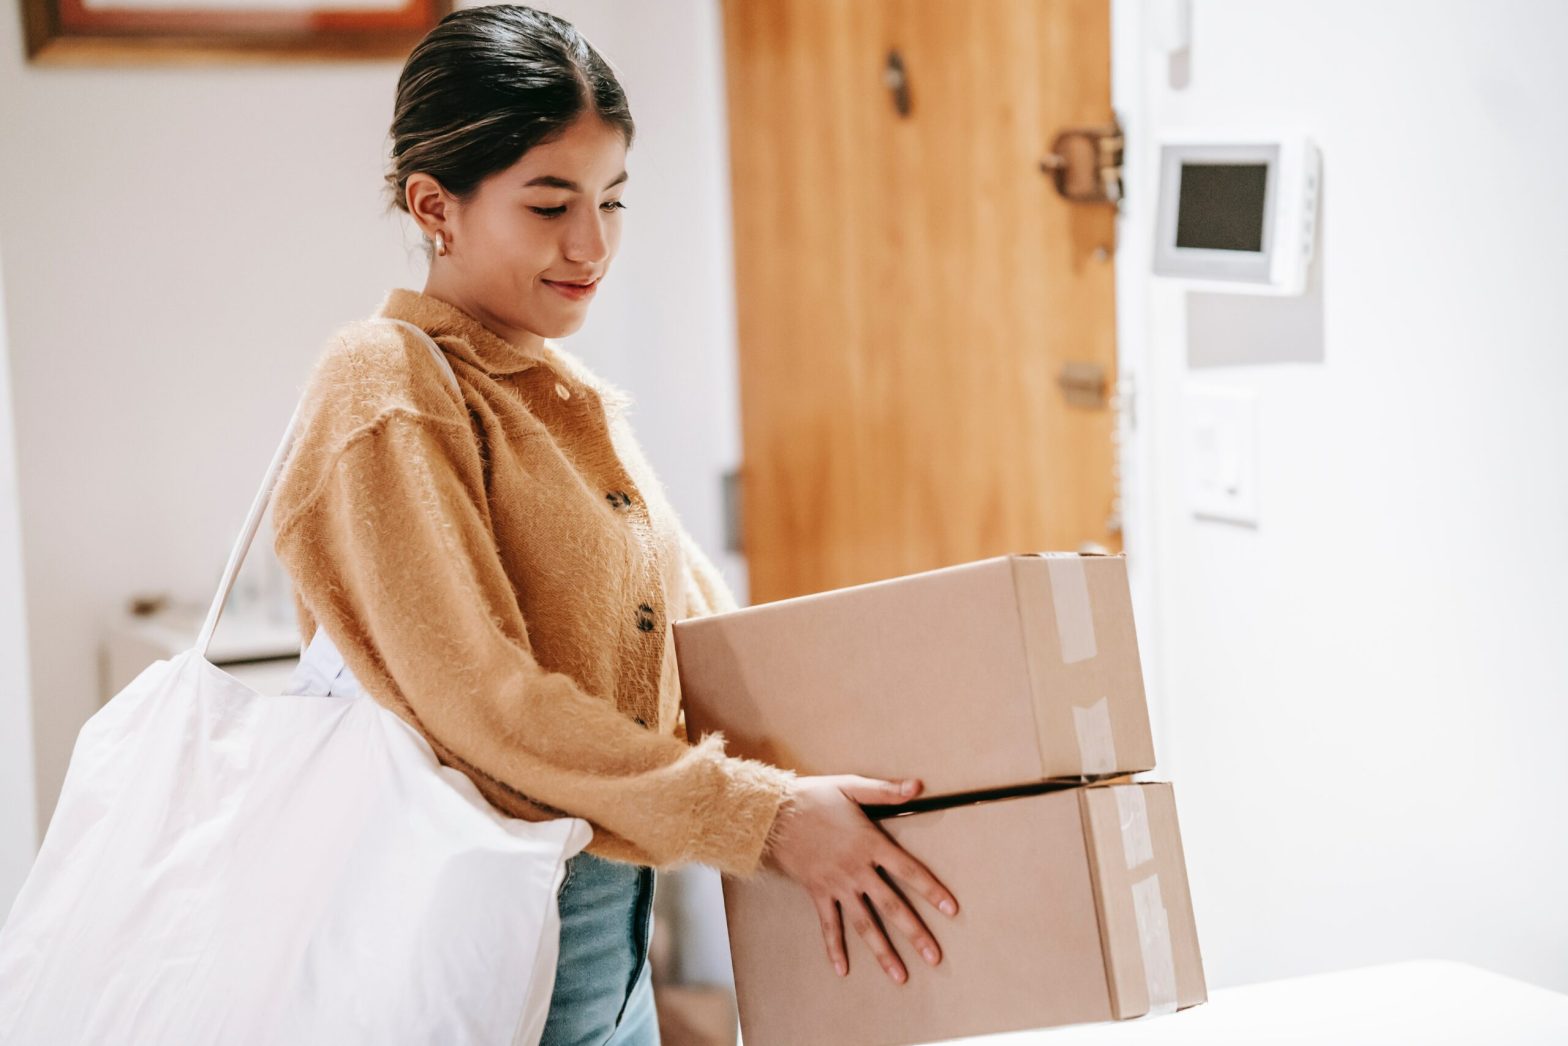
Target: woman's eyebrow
550	181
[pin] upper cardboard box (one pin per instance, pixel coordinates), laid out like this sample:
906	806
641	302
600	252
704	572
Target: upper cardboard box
988	674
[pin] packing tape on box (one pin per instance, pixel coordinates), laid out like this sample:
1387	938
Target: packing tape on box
1148	904
1133	812
1154	939
1070	603
1096	742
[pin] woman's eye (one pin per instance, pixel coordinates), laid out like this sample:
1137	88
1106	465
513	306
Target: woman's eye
556	212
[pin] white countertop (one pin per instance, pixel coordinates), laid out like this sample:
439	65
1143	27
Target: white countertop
1421	1003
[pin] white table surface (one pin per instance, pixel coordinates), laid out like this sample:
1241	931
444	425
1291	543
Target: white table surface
1422	1003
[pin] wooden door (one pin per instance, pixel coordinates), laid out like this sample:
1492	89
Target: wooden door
910	286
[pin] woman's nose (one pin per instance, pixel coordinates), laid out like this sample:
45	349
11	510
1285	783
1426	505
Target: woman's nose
586	241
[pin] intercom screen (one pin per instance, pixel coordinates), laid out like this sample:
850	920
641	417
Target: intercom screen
1220	207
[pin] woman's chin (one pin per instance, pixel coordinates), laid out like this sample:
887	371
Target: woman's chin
561	326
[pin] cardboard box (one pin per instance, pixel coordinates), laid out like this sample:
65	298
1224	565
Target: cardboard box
1073	907
987	674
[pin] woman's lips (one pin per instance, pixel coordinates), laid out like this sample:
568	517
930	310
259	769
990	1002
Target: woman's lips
574	291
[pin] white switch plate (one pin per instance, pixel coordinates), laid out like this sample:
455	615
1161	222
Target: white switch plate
1222	454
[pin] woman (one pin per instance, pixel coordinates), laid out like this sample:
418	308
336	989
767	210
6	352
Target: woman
502	568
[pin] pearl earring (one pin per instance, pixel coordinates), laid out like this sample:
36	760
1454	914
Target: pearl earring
440	245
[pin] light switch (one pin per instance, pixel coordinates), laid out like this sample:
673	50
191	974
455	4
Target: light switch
1222	454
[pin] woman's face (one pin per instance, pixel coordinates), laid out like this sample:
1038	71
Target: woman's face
551	220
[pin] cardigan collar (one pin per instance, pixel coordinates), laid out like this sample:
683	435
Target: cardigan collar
473	342
470	339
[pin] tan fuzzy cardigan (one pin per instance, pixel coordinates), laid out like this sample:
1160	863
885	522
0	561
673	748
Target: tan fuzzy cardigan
503	572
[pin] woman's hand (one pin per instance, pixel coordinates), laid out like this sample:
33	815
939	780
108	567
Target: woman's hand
825	842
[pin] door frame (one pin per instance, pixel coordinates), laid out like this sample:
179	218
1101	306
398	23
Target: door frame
1138	485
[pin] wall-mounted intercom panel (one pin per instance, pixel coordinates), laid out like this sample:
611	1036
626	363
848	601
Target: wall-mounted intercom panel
1237	211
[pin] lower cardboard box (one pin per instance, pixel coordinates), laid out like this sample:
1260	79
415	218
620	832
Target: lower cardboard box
1073	908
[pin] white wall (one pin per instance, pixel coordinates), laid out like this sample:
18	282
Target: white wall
1364	700
180	241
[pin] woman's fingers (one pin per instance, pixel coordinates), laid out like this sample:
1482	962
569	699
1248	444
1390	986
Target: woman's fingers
861	920
899	863
834	850
832	933
896	911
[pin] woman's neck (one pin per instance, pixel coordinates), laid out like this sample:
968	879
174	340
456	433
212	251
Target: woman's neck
524	339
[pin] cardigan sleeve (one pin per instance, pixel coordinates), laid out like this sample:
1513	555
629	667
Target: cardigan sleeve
390	545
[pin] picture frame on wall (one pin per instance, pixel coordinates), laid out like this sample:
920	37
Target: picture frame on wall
118	32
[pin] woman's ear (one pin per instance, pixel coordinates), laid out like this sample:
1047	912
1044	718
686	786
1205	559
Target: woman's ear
427	203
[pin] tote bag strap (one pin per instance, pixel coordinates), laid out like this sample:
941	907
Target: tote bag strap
258	507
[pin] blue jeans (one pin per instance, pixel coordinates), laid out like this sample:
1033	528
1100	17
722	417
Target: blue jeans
603	992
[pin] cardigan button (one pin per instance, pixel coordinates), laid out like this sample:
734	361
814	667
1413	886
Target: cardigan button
645	617
618	498
562	391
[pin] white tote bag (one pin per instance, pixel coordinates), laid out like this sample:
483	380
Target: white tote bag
231	867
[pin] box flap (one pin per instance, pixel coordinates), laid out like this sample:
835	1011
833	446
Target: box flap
1140	874
1085	677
